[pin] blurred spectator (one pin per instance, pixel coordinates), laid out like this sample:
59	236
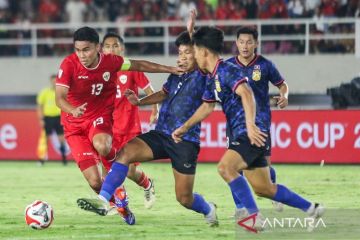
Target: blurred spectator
75	10
296	8
251	8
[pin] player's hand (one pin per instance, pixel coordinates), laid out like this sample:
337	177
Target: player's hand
179	133
281	101
79	111
256	136
131	97
154	116
177	70
191	21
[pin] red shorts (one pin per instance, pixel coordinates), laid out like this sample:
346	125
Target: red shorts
119	142
79	137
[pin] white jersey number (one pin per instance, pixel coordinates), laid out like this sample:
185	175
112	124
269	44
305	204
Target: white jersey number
96	89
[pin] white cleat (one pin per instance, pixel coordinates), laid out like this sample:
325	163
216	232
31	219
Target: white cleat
149	195
249	223
278	206
315	212
112	210
212	218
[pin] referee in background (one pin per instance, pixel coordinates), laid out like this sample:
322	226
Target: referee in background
49	117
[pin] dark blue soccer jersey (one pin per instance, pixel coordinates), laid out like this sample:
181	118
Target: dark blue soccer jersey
223	82
185	95
260	71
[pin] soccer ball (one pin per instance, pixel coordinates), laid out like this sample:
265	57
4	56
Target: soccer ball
39	215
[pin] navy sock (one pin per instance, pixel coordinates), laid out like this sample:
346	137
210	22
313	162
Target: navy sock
286	196
272	174
237	201
200	205
240	189
114	179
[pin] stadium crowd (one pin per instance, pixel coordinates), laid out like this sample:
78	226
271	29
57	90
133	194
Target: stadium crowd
120	11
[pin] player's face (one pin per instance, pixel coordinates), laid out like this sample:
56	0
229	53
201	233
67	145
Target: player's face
246	45
186	58
113	46
87	53
199	53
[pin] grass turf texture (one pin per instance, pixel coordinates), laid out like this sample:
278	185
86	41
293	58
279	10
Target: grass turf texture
337	187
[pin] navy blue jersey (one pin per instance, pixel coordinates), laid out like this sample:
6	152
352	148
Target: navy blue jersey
260	71
223	83
185	95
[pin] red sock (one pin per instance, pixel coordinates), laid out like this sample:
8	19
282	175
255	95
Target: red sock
112	154
143	181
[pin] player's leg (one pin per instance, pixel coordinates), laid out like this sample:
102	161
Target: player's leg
138	149
48	131
260	180
278	206
60	133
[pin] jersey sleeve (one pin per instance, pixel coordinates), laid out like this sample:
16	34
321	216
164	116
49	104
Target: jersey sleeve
235	78
274	75
209	94
65	74
117	62
141	80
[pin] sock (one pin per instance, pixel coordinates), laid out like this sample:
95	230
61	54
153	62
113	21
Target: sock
143	181
114	179
272	174
200	205
237	201
111	155
240	189
286	196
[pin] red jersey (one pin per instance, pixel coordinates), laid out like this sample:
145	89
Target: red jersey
125	115
94	86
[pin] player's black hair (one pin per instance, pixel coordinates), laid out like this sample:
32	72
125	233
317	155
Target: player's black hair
211	38
183	39
113	35
86	34
247	30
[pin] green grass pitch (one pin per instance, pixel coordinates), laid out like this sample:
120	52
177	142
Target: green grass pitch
337	187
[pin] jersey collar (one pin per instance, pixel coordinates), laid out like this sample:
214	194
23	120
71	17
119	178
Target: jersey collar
100	58
216	67
252	62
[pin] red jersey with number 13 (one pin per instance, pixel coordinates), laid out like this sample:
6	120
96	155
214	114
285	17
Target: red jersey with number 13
94	86
125	115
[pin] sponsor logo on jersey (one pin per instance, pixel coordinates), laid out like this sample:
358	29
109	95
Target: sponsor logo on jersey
123	79
83	77
217	83
106	76
256	74
60	73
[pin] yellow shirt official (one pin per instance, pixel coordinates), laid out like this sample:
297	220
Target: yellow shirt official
46	98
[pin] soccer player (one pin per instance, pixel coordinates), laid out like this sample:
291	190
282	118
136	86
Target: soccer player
126	116
260	72
85	92
49	117
250	142
180	97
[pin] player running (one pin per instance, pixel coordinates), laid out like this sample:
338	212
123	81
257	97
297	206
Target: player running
250	142
126	116
260	72
180	97
85	92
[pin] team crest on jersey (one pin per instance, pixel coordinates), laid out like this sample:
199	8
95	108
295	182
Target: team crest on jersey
123	79
217	83
106	76
256	74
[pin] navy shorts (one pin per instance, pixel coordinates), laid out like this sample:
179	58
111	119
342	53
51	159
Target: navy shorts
183	155
53	124
253	156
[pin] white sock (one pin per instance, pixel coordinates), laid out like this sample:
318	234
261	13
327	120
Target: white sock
311	209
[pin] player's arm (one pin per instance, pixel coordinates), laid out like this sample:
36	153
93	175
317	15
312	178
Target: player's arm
200	114
191	22
154	98
282	99
248	101
155	107
60	99
146	66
